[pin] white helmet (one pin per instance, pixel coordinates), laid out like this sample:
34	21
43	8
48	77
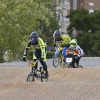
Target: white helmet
75	40
73	43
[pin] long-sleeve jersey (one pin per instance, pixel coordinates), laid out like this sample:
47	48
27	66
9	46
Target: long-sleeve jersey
77	51
65	40
38	45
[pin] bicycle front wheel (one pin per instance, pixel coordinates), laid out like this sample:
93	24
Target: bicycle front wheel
30	77
55	61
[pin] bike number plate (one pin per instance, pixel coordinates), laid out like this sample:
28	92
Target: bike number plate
68	59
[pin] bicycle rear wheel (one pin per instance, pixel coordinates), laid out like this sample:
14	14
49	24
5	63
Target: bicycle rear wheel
43	79
30	77
79	66
71	65
55	61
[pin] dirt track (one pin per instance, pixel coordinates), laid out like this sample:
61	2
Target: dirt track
63	84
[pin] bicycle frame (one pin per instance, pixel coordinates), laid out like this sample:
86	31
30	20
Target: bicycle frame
39	73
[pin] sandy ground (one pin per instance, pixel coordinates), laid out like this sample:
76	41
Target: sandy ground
63	84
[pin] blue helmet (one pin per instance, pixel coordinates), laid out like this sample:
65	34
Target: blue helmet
35	36
56	33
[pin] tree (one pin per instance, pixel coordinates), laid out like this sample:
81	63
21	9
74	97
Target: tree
82	21
90	43
95	21
79	20
17	20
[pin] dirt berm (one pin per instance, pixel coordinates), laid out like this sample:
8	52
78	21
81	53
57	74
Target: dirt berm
63	84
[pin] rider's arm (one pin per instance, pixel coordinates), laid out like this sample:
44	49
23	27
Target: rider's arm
80	51
27	47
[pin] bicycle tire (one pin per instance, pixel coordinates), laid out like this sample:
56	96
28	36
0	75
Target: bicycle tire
55	61
43	79
30	77
42	76
70	65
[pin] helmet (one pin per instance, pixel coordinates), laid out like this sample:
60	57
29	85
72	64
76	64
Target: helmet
56	33
35	36
75	40
73	43
72	47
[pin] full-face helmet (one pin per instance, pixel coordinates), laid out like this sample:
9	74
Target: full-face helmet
73	43
56	34
34	37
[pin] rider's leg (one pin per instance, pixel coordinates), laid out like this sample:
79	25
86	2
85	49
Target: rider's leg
43	63
36	65
57	52
77	61
64	53
35	58
73	62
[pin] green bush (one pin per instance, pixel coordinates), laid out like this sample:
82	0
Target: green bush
1	59
50	54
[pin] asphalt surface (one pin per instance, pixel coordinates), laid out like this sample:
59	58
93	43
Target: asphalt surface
85	62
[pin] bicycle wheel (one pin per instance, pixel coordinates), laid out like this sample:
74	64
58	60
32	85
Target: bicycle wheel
43	79
55	61
71	65
30	77
42	76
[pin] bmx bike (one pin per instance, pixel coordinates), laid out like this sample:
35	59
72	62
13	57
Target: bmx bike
36	74
70	65
58	60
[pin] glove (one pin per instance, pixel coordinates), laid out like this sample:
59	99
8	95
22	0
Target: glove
54	45
24	58
76	57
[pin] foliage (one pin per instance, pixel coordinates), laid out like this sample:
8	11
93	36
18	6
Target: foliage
82	21
90	43
50	54
18	18
78	19
88	26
